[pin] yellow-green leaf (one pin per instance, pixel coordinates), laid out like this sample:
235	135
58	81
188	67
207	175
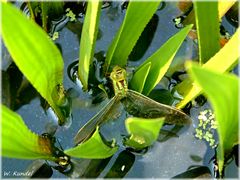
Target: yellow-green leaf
222	91
138	80
137	16
143	132
93	148
88	40
34	53
206	14
223	61
20	142
162	58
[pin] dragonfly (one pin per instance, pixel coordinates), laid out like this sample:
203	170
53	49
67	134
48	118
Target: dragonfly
134	103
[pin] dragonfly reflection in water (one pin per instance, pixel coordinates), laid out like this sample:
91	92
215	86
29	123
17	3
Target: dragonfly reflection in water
134	103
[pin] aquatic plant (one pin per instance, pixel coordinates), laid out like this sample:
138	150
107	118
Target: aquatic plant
206	127
43	70
225	105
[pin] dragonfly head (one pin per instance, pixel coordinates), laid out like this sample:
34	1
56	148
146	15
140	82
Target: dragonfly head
118	77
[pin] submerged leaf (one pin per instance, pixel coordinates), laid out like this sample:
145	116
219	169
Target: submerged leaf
19	142
143	132
93	148
137	16
88	40
222	91
34	53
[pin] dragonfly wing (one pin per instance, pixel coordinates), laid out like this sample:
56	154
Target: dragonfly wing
139	105
103	115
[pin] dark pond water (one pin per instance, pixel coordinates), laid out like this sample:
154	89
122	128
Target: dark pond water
164	159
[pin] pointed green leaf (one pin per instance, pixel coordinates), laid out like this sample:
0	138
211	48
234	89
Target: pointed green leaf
206	14
223	61
93	148
34	53
162	58
88	40
143	132
138	80
222	90
20	142
223	7
137	16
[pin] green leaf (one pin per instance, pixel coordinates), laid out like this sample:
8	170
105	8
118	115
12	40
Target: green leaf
93	148
143	132
222	91
223	7
139	78
88	40
44	9
137	16
34	53
223	61
207	24
161	59
19	142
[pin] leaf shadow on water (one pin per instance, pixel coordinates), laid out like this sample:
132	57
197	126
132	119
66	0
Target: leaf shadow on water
17	91
145	39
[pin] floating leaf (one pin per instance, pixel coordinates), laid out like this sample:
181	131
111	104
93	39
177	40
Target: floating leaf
139	78
19	142
223	61
222	91
88	40
207	29
143	132
93	148
161	59
137	16
34	53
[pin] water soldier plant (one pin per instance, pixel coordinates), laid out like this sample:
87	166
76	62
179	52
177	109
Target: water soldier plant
42	64
225	104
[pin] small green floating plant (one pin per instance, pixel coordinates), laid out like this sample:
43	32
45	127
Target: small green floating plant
47	79
206	127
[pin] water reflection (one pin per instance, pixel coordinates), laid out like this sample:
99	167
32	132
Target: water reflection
87	168
122	165
195	172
